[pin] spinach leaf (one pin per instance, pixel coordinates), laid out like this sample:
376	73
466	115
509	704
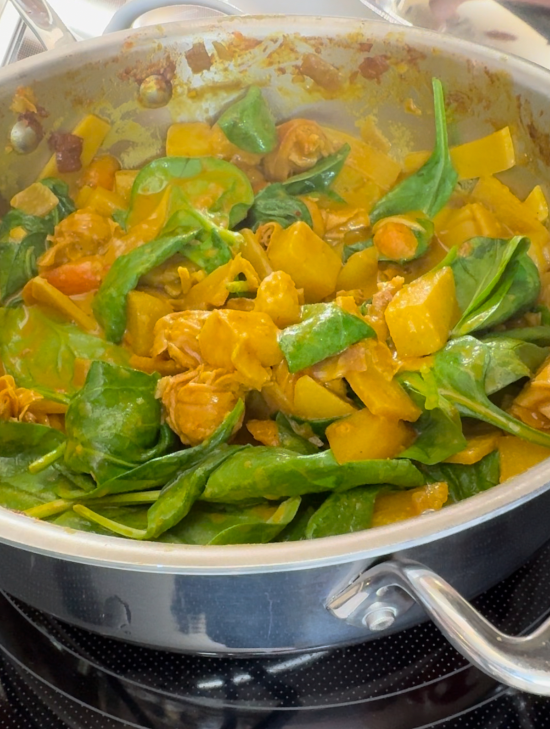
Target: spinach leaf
113	423
220	524
160	471
428	189
539	335
343	513
326	329
296	530
495	279
423	233
249	124
210	253
290	440
321	176
439	428
465	481
275	473
460	370
349	250
196	177
18	263
40	350
109	304
510	360
65	206
274	204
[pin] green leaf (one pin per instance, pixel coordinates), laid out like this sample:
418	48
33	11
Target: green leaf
511	360
325	330
321	176
349	250
113	423
539	335
439	429
110	301
343	513
428	189
460	370
40	350
423	234
274	204
196	176
465	481
249	124
160	471
275	473
18	263
210	253
65	206
290	440
220	524
296	530
495	279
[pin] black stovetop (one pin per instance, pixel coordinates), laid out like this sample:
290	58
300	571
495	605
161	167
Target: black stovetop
55	676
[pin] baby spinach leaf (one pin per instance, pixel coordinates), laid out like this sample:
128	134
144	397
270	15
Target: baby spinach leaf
275	473
321	176
439	428
539	335
460	370
511	360
423	234
221	524
39	350
65	206
343	513
290	440
349	250
325	329
113	422
249	124
274	204
210	253
195	178
494	278
110	302
160	471
428	189
465	481
18	263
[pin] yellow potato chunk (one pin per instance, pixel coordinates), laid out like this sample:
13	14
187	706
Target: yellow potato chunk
360	272
277	297
143	311
478	447
537	203
402	505
36	199
190	139
312	401
93	131
422	313
382	396
363	436
313	265
517	455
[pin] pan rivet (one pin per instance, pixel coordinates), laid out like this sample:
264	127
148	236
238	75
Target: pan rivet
380	617
154	92
23	137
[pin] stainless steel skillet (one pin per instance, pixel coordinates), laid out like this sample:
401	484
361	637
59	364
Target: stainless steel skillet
300	596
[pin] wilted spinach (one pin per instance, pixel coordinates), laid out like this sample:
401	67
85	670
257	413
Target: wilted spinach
321	176
343	513
249	124
465	481
274	204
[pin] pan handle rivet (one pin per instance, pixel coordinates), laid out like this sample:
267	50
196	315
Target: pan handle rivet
380	617
154	91
24	137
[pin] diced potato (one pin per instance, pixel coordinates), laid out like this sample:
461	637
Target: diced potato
124	180
537	203
38	290
478	447
421	315
264	431
517	455
311	262
383	397
278	298
363	436
101	172
93	131
473	220
360	272
143	311
36	199
398	506
312	401
191	139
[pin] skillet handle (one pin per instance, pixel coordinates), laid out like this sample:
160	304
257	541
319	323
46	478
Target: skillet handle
45	23
131	11
374	601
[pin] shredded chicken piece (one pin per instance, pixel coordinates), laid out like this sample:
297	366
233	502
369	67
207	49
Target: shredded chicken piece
340	222
302	143
277	296
532	405
26	406
196	402
176	335
375	316
82	233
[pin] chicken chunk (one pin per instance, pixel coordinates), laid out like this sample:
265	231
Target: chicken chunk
302	143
